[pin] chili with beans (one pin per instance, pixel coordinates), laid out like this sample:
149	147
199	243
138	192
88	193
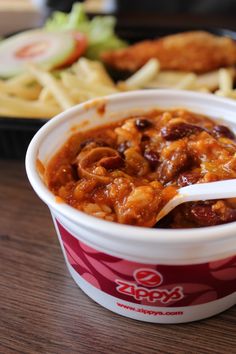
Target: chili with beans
126	171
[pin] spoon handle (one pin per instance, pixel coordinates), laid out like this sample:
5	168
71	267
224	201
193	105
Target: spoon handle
211	190
201	191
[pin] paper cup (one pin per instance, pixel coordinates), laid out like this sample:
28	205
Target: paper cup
162	276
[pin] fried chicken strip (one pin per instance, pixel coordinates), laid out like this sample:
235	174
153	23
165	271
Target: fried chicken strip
195	51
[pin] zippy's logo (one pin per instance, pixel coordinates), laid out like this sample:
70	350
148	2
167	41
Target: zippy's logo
149	278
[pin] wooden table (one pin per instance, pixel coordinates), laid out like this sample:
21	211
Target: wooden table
43	311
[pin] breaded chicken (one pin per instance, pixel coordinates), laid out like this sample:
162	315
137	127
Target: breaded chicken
196	51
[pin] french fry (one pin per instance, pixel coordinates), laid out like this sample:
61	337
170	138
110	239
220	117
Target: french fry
47	80
70	80
80	96
208	80
204	89
187	83
173	79
17	107
21	80
225	80
166	79
142	76
28	93
93	71
46	96
228	94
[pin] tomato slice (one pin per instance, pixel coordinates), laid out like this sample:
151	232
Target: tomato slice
80	48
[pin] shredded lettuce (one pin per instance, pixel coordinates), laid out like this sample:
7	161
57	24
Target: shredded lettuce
100	31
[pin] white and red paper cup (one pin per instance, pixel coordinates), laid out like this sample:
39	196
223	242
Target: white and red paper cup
153	275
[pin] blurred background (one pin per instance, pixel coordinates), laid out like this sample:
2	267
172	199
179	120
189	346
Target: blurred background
16	15
162	6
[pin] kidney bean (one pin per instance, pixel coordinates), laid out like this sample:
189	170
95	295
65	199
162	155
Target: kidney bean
178	131
142	123
152	157
231	216
74	171
188	178
169	169
222	130
203	215
145	138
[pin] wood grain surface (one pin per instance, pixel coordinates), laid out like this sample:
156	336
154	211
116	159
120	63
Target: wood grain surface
43	311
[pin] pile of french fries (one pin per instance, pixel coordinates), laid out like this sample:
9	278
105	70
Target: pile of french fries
42	94
220	82
38	93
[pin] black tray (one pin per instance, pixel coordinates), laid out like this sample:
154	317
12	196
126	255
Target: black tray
16	133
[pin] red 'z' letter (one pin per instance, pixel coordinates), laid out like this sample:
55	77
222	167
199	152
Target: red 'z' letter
125	288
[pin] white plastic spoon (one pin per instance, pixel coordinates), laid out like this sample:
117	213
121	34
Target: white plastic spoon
201	191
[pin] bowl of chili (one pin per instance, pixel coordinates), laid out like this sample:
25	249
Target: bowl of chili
105	167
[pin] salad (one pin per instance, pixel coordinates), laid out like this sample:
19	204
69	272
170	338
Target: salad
46	70
63	39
